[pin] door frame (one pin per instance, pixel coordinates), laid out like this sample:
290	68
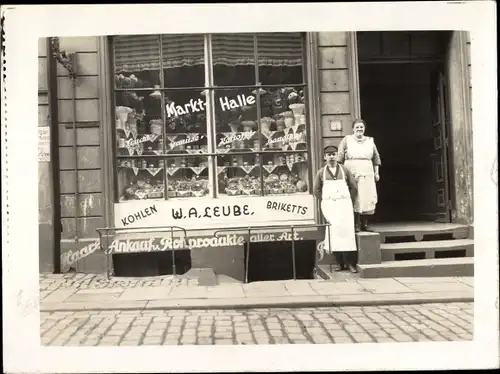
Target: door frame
463	85
441	84
457	68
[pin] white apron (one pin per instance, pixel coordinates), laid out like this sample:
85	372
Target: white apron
336	206
359	163
366	198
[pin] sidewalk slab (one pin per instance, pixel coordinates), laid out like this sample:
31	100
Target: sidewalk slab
60	295
99	290
288	294
338	288
425	287
90	297
91	306
146	293
412	280
270	302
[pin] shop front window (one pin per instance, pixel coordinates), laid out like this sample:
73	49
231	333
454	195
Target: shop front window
204	116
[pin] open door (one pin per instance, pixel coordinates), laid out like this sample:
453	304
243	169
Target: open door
439	155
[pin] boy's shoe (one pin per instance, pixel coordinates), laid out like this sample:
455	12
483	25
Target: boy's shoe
353	269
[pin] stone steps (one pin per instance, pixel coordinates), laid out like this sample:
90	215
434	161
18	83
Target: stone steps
427	249
419	231
436	267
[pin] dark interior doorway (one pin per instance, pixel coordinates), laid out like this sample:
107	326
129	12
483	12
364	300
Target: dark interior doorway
273	261
396	103
403	102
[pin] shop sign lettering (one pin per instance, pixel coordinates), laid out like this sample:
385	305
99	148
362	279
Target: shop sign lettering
237	137
199	105
190	139
241	100
144	213
159	244
212	211
192	107
216	213
286	138
169	243
286	207
146	138
70	258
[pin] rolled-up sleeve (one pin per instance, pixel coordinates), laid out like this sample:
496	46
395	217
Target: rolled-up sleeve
376	156
318	185
342	151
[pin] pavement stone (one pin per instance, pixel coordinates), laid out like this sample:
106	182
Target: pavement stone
322	325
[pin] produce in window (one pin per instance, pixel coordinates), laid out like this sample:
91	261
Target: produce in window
283	177
198	189
280	124
122	114
266	123
234	126
156	126
301	186
289	188
184	189
279	102
248	125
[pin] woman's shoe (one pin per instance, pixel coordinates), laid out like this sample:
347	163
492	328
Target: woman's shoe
357	223
364	224
353	269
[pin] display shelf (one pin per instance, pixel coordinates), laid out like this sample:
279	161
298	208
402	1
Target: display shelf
171	170
247	169
181	152
289	165
136	170
195	169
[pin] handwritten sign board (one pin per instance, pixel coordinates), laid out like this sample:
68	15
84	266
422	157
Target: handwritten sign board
179	242
215	213
44	144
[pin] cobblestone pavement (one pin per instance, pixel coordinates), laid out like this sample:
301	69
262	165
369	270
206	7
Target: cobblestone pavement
397	323
51	282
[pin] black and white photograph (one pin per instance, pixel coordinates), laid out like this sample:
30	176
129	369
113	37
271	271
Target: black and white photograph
236	186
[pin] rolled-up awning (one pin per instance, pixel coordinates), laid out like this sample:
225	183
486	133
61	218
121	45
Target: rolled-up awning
141	52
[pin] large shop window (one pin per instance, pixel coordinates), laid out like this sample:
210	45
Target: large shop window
204	116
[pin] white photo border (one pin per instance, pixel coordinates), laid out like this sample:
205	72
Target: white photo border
25	24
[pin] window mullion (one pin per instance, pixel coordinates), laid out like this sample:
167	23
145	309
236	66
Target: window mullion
257	99
164	120
210	115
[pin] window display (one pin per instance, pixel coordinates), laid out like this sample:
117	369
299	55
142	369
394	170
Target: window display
185	129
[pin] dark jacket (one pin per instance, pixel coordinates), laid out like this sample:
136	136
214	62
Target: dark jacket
318	181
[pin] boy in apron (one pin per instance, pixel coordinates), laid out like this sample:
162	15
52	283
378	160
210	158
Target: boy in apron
335	188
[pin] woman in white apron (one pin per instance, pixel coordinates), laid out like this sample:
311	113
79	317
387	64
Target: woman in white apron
359	154
333	186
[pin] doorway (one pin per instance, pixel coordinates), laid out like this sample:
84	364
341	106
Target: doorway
403	105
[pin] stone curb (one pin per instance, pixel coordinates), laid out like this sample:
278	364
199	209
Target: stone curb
266	302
